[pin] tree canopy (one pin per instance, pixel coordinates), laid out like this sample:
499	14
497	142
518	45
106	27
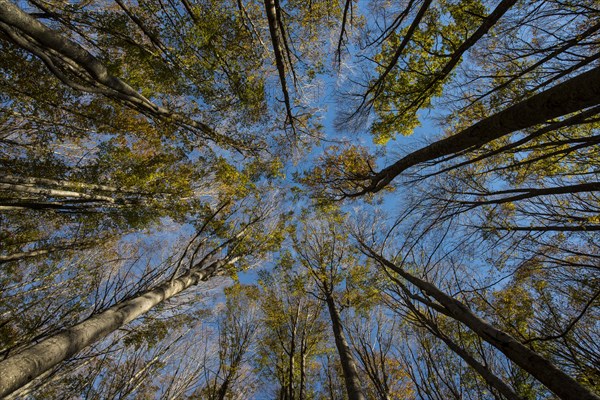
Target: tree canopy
296	200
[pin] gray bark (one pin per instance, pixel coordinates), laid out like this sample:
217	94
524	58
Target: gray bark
25	366
540	368
492	380
37	38
13	16
576	94
53	192
34	181
47	250
351	378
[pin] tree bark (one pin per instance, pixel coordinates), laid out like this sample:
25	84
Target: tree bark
577	93
351	378
377	86
481	369
22	368
276	40
54	192
47	250
528	193
540	368
302	367
64	184
42	41
455	58
13	16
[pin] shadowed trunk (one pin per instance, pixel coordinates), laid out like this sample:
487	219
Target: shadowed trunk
53	192
540	368
480	368
348	364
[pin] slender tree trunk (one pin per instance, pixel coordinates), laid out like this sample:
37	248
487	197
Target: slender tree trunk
540	368
294	325
232	371
60	183
481	369
302	366
53	192
22	368
291	366
276	40
47	250
528	193
348	364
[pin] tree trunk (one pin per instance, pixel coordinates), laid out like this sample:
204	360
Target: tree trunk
38	39
491	379
540	368
348	364
276	40
223	389
47	250
302	366
22	368
53	192
64	184
481	369
576	94
528	193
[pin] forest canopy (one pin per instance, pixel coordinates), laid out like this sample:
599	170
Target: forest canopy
300	200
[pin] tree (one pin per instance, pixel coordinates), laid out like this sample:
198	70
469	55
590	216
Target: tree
556	102
237	328
321	250
293	335
146	147
440	302
375	338
252	237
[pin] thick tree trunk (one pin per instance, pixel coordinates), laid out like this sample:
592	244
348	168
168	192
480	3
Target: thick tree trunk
540	368
14	17
23	367
223	389
351	378
576	94
25	30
